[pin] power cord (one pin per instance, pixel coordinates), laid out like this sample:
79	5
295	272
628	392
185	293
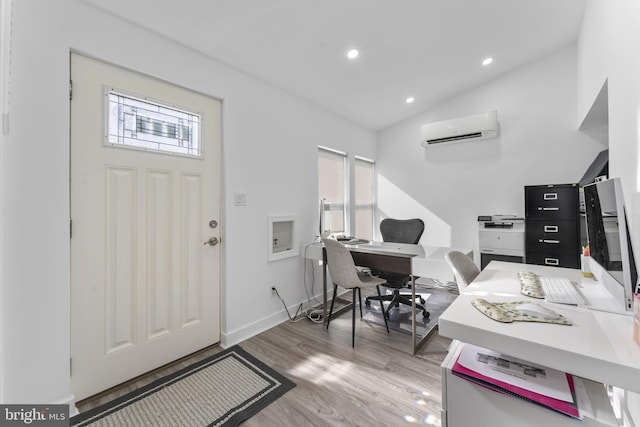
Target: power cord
313	275
294	318
313	314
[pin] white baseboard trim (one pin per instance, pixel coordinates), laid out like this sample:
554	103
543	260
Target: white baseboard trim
228	339
71	401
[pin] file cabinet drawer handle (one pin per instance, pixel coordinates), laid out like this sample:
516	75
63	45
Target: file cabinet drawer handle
556	242
550	196
552	261
550	228
540	208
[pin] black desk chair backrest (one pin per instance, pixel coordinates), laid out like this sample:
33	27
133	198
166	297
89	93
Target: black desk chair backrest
401	230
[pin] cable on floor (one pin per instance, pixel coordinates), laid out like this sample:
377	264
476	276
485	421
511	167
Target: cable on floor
313	314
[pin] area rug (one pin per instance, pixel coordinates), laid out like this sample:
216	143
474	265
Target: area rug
222	390
436	302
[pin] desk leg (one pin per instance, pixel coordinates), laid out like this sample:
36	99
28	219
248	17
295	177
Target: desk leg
417	343
413	313
324	287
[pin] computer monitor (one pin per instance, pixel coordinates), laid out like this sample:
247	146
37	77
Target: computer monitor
612	258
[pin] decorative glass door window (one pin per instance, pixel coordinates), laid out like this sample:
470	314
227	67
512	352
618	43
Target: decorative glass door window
148	125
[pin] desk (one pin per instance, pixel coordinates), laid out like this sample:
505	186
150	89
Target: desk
403	258
598	346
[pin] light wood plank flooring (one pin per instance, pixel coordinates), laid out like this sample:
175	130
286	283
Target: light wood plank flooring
377	383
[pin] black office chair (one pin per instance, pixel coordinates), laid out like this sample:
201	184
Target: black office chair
399	231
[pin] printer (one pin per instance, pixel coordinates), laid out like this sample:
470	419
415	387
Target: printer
501	238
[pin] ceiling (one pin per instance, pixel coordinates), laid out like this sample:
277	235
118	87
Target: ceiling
427	49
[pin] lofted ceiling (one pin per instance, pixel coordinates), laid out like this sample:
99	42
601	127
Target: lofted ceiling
427	49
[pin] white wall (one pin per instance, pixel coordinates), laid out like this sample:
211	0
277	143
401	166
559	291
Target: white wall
593	55
538	144
5	47
607	50
624	103
609	47
269	150
35	276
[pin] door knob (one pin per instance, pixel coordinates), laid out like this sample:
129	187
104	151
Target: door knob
212	241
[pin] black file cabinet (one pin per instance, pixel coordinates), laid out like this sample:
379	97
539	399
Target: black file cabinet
552	229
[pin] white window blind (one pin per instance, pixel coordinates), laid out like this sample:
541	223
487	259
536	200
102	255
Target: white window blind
332	186
364	198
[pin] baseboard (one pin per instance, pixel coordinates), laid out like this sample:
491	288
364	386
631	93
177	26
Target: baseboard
71	401
228	339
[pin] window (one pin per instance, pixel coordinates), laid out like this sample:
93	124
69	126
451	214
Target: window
143	124
332	187
364	200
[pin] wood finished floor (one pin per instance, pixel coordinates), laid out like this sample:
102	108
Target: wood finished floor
377	383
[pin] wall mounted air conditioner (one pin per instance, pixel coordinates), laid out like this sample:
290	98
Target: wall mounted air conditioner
468	128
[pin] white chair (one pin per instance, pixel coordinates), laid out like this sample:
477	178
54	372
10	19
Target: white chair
464	269
343	273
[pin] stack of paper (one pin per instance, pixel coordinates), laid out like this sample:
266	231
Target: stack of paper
543	386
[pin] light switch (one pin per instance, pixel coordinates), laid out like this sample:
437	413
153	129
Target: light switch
240	199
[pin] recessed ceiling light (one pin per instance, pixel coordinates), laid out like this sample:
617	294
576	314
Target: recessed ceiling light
410	99
353	53
487	61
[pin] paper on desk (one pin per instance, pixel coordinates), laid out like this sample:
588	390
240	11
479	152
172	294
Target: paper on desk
518	372
582	398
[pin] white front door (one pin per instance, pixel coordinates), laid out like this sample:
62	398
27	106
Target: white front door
145	192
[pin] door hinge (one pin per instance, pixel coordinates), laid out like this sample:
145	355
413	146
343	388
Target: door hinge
70	90
70	228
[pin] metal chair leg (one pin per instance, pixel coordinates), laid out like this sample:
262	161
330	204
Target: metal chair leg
384	315
333	300
360	301
394	302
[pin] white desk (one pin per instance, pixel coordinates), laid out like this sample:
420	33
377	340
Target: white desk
598	346
413	260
